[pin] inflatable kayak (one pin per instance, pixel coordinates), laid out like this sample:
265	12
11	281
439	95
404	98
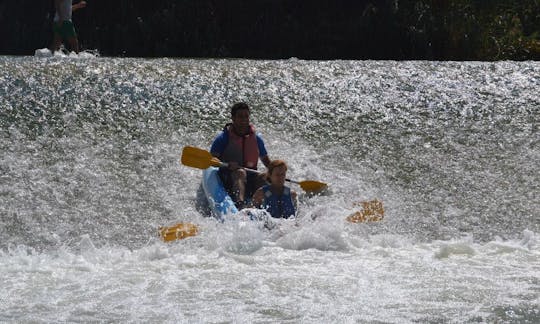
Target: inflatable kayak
219	201
221	204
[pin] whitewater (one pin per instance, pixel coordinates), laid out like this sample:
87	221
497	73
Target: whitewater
89	170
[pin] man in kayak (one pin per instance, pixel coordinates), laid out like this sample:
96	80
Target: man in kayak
63	26
240	147
278	199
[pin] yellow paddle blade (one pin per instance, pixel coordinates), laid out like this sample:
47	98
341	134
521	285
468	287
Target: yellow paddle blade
178	231
198	158
312	185
372	211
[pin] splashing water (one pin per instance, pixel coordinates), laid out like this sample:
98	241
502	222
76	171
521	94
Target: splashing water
89	169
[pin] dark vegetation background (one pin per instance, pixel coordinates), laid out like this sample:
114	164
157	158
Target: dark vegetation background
274	29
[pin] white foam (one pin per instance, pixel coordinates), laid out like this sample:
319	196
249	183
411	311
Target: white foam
46	53
43	52
91	171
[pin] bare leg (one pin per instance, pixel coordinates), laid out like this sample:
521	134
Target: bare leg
74	44
56	44
57	41
239	178
260	181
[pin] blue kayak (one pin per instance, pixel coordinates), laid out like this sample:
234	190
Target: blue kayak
219	200
221	204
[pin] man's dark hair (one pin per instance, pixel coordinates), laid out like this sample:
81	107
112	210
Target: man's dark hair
238	106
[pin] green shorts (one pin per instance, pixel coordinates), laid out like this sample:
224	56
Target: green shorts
65	29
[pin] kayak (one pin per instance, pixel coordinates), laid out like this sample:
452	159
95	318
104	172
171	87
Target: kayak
219	201
222	205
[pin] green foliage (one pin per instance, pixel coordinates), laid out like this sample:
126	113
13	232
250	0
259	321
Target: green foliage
474	29
314	29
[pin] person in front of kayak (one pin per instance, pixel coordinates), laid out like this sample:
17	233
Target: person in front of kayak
278	199
240	147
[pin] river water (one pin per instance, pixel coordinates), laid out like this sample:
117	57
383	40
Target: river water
89	169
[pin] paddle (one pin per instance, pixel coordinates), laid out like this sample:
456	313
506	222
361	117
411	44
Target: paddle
178	231
202	159
372	211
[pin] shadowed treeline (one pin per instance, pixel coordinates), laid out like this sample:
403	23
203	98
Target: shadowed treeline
314	29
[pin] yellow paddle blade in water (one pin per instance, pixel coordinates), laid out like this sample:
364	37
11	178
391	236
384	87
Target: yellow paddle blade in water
178	232
372	211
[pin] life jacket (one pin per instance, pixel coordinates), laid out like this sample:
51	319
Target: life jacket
241	149
279	206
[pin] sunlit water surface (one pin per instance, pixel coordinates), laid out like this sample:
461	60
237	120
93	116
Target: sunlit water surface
89	169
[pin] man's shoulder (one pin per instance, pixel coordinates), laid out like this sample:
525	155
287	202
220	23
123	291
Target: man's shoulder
219	143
